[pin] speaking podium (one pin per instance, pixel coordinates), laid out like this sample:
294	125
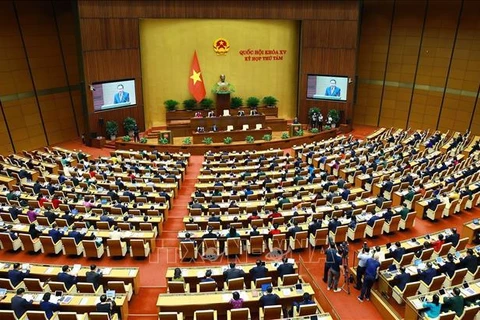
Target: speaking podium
223	102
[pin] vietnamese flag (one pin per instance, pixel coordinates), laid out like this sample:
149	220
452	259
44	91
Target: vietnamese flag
195	80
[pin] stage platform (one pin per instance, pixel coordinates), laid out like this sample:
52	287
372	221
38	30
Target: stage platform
200	149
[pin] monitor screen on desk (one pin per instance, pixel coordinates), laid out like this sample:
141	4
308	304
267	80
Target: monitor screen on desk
113	94
327	87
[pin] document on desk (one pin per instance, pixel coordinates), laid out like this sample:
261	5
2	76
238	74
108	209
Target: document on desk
49	270
286	292
84	301
132	272
417	303
226	297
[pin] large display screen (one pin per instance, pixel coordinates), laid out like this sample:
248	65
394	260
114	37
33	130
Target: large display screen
325	87
113	94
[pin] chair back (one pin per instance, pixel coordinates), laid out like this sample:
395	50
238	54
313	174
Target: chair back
138	248
290	279
91	250
192	226
118	286
279	241
272	312
23	218
444	249
426	254
146	226
411	289
437	282
6	284
256	222
234	246
341	234
207	286
470	312
240	314
448	315
98	316
236	284
125	226
301	240
204	315
168	316
461	245
70	246
32	284
115	247
43	221
458	276
61	222
210	246
103	225
407	258
7	315
321	237
176	287
56	285
214	224
36	315
256	244
393	225
85	287
187	250
378	227
68	316
307	309
261	281
384	264
360	230
47	244
27	242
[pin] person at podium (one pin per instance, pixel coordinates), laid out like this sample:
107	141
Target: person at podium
121	96
211	114
254	112
214	128
332	90
198	114
241	113
222	86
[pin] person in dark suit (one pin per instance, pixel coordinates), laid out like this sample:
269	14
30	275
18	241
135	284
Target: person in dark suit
105	217
66	277
16	275
105	305
333	224
293	230
428	274
379	201
372	220
48	306
254	231
76	235
269	299
399	251
402	278
387	185
51	216
449	267
453	238
233	272
388	215
332	90
14	212
19	304
314	226
432	205
470	261
55	233
94	276
285	268
121	96
259	271
214	217
208	277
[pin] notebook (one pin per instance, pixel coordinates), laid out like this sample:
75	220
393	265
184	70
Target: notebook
417	262
110	294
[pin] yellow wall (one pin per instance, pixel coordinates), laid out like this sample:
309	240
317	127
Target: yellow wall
167	48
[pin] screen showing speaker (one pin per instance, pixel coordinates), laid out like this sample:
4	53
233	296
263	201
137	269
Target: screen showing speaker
327	87
113	94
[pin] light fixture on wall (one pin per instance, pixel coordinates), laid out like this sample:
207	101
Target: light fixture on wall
92	88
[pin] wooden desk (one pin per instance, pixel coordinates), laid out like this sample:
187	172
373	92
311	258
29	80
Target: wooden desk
219	300
80	303
223	122
7	181
193	275
470	230
98	142
236	135
130	275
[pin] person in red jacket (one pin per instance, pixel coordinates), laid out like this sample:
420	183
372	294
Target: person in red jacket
436	245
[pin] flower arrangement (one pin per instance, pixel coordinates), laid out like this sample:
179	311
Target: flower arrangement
171	105
129	125
299	133
253	102
270	101
285	135
163	141
207	140
314	130
126	138
267	137
187	141
206	104
143	140
249	139
227	140
111	129
189	104
236	102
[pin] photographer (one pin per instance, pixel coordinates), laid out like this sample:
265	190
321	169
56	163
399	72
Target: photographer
330	254
362	256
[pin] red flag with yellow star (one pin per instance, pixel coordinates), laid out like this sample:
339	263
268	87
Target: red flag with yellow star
195	80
